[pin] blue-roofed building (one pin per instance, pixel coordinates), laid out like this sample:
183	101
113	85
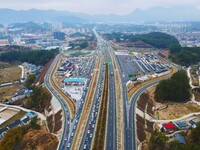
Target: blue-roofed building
15	124
182	125
31	114
179	138
74	81
25	120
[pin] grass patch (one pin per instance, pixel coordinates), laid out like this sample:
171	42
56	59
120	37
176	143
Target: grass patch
18	116
10	74
177	110
8	91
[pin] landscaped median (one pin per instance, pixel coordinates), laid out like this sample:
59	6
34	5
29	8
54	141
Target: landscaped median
70	103
87	106
119	107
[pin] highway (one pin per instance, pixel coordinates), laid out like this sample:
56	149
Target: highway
111	127
88	135
111	121
69	126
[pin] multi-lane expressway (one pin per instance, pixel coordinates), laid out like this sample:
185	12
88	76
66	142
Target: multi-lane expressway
129	108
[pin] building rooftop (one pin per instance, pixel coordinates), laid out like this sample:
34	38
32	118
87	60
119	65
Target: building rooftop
14	124
179	138
74	80
181	124
169	125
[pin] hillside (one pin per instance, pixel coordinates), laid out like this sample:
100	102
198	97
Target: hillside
155	39
38	140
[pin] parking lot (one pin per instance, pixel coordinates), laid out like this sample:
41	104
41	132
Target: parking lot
127	64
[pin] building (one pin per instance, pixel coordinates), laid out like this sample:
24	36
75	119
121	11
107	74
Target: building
74	81
59	36
15	124
178	137
31	114
168	127
181	125
3	132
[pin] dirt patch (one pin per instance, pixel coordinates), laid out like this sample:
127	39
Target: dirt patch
58	121
165	53
196	93
177	110
10	74
39	140
40	79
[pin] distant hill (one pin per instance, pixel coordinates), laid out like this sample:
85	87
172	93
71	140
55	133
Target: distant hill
154	14
28	26
12	16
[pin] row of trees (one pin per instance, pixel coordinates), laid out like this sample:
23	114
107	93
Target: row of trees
37	57
175	89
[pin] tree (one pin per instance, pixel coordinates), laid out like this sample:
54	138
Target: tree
39	99
30	80
33	123
157	141
196	134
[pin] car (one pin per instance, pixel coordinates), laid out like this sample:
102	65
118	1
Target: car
65	139
72	134
68	145
90	135
88	131
84	147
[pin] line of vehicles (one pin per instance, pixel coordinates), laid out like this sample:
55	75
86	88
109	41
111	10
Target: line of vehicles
91	123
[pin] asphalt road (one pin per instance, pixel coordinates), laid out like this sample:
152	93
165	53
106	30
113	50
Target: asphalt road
66	117
111	126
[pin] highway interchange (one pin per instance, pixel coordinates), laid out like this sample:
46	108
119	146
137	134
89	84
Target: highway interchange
70	124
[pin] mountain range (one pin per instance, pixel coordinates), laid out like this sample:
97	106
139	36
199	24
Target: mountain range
154	14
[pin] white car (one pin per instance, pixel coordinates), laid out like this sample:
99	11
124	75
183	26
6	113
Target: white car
84	146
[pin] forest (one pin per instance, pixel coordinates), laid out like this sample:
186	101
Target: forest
185	55
176	89
155	39
37	57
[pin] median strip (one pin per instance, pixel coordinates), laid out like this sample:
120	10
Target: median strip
70	103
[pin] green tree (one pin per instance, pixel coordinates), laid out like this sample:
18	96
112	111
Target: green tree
39	99
157	141
176	88
30	80
196	134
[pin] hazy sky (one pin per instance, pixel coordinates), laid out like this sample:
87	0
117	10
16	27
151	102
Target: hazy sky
95	6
